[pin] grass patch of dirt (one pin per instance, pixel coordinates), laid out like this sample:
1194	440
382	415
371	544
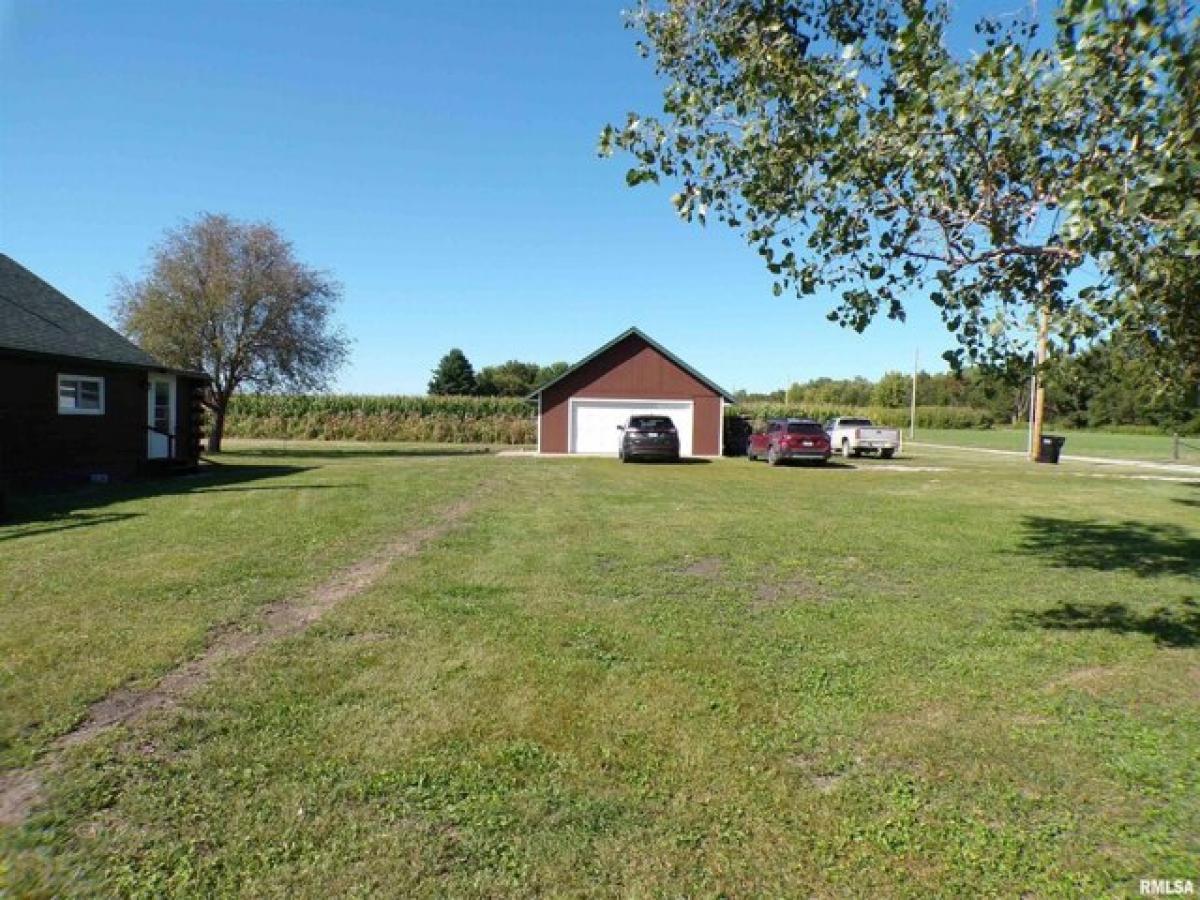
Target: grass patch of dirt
798	588
705	567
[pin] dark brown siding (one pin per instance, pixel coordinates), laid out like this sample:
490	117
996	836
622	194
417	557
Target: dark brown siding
189	418
632	370
39	444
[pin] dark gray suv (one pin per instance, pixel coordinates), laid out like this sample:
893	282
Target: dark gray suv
649	437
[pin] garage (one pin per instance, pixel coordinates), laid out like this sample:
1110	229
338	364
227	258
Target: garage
578	412
594	422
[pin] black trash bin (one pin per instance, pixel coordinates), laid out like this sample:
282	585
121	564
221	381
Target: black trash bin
1050	448
737	435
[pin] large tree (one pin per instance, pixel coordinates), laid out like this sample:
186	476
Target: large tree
454	375
510	379
231	299
893	389
548	373
865	160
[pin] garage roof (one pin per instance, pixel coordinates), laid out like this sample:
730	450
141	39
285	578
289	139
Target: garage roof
637	332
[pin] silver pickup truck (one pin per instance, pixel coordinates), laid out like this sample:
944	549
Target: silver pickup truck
853	437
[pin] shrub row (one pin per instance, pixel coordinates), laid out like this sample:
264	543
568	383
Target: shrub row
486	420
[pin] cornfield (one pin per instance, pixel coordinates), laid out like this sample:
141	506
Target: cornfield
288	405
348	417
488	420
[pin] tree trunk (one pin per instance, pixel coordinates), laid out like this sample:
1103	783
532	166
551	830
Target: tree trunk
218	427
1021	404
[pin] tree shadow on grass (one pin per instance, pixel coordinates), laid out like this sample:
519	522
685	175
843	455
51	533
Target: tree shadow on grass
1170	626
1142	548
64	509
62	522
1189	501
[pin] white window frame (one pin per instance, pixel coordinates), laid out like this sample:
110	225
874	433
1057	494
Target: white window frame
75	411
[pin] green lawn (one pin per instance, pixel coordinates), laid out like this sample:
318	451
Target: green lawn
107	586
973	676
1150	447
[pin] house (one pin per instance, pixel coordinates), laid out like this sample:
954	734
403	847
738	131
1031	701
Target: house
579	411
78	400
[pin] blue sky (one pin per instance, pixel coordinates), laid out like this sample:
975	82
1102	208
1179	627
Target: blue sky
438	159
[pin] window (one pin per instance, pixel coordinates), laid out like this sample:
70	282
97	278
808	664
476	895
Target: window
650	422
80	395
805	428
162	406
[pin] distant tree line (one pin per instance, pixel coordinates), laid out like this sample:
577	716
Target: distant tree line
1110	384
454	375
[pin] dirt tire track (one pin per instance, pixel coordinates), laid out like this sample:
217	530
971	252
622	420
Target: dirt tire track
20	789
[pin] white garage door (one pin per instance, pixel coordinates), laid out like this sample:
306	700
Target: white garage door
594	422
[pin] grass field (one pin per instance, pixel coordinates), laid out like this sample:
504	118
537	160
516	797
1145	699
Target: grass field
1149	447
951	675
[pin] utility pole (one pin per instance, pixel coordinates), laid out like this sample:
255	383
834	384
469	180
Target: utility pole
1033	380
912	411
1039	394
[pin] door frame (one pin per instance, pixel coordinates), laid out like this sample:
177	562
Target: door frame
154	440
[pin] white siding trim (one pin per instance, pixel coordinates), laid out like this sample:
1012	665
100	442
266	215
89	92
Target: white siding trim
720	430
539	423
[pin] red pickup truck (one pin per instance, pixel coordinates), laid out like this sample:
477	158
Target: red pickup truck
785	439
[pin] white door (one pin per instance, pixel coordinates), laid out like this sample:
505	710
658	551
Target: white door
594	422
160	414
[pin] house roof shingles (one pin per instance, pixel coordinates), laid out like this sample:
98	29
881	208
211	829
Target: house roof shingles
37	318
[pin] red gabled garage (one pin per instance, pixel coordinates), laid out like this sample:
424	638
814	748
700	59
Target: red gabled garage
579	411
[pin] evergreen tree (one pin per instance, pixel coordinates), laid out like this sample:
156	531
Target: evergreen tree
453	375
